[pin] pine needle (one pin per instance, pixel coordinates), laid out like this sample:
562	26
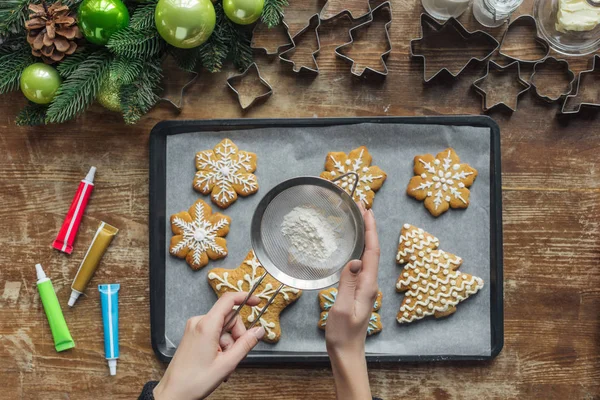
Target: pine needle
143	16
32	115
138	97
125	69
71	63
12	65
273	12
13	14
132	43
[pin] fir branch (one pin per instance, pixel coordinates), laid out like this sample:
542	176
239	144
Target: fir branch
72	4
70	64
13	14
79	90
239	46
32	115
11	66
273	12
214	51
125	69
186	59
141	95
128	42
143	16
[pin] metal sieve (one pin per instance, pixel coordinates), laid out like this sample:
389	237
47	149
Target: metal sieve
276	253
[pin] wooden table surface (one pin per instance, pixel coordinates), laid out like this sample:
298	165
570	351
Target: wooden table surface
551	198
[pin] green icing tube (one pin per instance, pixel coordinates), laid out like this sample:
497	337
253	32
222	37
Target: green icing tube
58	325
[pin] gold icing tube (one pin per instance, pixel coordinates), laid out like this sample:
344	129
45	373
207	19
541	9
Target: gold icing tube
102	239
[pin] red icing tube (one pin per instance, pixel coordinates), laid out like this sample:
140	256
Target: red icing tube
68	231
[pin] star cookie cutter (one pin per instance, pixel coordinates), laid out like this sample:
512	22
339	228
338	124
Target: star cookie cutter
259	28
552	63
385	7
179	104
429	24
595	70
498	68
525	20
238	78
346	11
314	23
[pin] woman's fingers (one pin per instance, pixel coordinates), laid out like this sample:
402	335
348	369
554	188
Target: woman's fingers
220	311
238	328
347	286
240	349
226	341
370	256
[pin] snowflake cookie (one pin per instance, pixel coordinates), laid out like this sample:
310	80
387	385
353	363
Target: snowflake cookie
327	298
441	181
370	178
199	235
242	279
430	278
225	172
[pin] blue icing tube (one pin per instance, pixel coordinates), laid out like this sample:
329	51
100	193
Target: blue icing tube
109	298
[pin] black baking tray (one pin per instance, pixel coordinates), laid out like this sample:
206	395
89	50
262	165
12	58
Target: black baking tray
157	221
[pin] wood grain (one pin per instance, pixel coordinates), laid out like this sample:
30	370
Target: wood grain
551	179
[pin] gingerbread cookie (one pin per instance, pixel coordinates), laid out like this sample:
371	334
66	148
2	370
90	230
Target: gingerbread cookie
327	298
199	235
441	181
225	172
430	279
242	279
370	178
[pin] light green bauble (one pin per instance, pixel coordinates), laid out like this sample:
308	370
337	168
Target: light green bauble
109	94
39	83
243	12
98	19
185	23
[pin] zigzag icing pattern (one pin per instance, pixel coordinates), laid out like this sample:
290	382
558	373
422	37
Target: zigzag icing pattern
430	279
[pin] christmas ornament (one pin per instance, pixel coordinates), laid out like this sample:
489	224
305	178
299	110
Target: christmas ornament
109	94
185	23
52	31
98	19
39	83
243	12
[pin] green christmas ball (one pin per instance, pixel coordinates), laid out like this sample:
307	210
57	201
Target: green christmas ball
243	12
39	83
98	19
185	23
109	94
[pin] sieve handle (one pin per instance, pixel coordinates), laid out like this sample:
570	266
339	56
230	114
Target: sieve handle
237	311
264	309
356	178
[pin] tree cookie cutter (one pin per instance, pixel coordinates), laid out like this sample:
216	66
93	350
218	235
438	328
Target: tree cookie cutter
595	70
232	81
553	63
498	68
383	7
525	20
429	25
314	23
257	32
345	11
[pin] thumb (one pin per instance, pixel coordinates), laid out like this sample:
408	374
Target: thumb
240	349
347	286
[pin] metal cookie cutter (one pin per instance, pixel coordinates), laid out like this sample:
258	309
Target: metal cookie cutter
595	70
315	23
233	81
325	16
179	104
558	65
498	68
260	29
460	39
359	72
525	20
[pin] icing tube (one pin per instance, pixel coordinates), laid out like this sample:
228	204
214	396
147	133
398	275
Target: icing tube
66	235
102	239
109	298
56	320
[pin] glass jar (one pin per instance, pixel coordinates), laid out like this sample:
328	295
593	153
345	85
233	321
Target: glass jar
444	9
493	13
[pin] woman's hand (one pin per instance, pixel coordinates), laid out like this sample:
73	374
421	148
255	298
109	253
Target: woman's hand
349	317
207	355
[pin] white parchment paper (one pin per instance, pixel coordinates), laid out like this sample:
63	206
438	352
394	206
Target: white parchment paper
290	152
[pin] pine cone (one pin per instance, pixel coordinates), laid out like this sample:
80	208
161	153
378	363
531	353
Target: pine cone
52	31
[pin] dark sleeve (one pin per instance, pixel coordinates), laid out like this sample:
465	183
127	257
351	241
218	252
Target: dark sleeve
376	398
147	391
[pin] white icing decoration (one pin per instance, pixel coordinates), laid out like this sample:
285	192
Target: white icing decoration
223	168
199	235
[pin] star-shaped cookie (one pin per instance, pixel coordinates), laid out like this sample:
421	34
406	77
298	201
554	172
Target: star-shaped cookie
242	279
199	235
225	172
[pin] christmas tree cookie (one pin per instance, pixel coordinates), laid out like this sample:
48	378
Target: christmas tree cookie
442	181
327	298
370	178
242	279
430	280
225	172
199	235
